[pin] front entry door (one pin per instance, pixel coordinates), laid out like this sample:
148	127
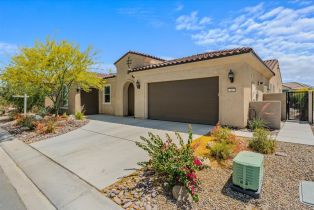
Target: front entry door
131	100
297	106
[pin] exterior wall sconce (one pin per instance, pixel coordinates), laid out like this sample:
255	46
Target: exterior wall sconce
78	89
138	84
231	76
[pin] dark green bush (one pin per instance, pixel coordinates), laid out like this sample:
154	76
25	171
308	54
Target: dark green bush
262	141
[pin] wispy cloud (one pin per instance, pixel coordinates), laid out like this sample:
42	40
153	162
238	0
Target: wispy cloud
144	14
103	68
301	2
7	48
274	32
192	22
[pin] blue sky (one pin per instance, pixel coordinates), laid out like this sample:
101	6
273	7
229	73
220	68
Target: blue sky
167	29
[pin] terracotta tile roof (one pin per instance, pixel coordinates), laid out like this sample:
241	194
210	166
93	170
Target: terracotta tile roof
200	57
105	76
138	53
271	63
295	85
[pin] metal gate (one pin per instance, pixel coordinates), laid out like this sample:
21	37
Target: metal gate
297	106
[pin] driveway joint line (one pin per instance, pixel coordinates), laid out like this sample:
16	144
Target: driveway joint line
124	139
72	172
28	176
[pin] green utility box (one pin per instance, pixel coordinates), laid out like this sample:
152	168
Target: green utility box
248	171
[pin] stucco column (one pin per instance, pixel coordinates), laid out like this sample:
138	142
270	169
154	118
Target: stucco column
74	100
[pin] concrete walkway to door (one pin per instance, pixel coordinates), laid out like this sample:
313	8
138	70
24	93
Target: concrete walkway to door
296	132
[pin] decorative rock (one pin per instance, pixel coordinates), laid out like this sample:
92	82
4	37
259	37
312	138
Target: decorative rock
281	154
148	207
38	117
117	200
115	191
126	205
206	162
154	194
180	193
120	194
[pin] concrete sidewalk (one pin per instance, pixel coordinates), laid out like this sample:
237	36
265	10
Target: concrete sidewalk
64	189
9	198
296	132
24	192
291	131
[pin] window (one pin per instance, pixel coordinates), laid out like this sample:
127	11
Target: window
107	94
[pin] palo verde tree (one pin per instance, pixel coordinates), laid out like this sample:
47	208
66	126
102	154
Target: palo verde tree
53	68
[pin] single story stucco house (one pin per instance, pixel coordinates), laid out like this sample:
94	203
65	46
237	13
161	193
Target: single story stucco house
203	88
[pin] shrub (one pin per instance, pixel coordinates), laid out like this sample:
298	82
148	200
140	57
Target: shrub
221	150
221	134
13	115
50	128
40	128
177	165
262	141
257	124
43	111
79	116
26	121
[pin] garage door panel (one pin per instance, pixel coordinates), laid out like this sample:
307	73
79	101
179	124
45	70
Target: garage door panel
194	100
90	101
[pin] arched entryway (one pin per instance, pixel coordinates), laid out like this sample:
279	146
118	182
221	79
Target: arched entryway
131	100
128	99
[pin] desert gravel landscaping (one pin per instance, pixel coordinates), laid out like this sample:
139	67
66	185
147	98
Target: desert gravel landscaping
280	190
30	136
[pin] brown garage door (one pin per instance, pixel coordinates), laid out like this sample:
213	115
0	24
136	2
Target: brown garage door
89	100
193	101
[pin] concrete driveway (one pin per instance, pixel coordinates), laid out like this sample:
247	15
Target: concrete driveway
103	151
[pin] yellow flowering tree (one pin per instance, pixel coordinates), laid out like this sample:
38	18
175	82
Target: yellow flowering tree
53	68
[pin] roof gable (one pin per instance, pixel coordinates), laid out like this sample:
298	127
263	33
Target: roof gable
140	54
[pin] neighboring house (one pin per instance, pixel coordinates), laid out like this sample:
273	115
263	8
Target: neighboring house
291	86
203	88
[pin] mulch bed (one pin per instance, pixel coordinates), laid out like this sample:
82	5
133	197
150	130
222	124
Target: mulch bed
280	186
31	136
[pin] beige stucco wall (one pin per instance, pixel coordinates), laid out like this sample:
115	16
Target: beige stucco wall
74	100
276	81
278	97
48	102
233	106
268	111
108	108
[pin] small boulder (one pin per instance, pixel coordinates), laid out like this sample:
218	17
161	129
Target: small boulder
117	200
38	117
128	204
180	193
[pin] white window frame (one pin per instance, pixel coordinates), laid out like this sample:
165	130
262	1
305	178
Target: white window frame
108	85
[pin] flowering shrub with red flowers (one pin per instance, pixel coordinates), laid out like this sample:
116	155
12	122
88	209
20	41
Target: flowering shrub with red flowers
173	163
